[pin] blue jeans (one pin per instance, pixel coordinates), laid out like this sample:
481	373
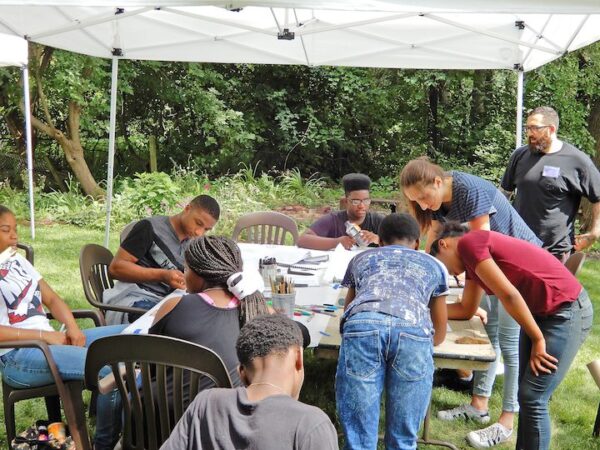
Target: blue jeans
27	367
564	332
381	351
503	332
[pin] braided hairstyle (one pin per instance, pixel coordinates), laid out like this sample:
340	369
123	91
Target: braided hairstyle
215	259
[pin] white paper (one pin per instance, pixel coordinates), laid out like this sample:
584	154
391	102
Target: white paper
338	263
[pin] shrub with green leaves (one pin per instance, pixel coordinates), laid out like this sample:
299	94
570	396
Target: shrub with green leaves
152	193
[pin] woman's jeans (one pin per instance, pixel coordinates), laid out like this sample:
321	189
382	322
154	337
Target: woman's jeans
380	352
503	332
564	332
27	367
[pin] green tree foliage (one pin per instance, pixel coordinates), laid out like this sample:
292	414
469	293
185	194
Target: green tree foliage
212	118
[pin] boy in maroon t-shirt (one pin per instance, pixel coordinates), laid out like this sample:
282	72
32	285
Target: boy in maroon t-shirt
553	309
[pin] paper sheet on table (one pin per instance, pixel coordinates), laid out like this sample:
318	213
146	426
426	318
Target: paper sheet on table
316	325
285	254
306	280
338	263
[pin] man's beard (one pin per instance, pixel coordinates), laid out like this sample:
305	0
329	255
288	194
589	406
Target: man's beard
540	145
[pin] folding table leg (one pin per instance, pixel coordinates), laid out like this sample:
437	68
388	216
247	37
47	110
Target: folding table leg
597	424
425	437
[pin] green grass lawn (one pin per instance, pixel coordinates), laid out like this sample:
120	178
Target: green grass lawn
573	406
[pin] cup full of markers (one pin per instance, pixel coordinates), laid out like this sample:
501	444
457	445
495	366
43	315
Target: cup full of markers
283	295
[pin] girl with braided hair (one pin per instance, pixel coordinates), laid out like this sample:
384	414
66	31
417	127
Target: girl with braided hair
221	298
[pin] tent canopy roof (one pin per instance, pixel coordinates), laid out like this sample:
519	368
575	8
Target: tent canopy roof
13	50
467	34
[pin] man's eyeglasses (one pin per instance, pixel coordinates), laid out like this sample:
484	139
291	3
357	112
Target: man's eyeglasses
535	127
358	201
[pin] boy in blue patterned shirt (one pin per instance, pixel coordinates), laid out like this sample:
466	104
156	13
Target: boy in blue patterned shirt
395	313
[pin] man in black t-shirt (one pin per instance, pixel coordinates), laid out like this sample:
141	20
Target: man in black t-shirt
550	177
149	262
330	230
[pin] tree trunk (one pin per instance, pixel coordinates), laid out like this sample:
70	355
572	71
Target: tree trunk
56	175
74	155
433	96
594	129
69	142
152	150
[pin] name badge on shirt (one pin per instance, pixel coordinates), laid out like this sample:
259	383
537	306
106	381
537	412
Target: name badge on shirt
551	172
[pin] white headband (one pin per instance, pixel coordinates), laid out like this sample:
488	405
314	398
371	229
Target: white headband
243	284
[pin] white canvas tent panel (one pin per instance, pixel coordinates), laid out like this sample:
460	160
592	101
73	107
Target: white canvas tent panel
504	6
402	37
13	50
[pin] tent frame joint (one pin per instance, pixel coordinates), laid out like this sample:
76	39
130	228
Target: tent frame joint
286	35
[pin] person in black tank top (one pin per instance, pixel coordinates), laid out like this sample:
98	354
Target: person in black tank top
221	299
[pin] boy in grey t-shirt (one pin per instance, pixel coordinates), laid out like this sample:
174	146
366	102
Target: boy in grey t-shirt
266	414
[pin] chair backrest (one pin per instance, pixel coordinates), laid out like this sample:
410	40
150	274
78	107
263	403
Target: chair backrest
127	229
28	251
151	373
93	267
575	262
266	227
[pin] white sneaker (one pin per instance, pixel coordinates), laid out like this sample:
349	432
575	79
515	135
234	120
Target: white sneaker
490	436
464	412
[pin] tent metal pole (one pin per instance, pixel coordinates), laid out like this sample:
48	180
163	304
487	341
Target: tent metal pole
519	108
29	148
111	146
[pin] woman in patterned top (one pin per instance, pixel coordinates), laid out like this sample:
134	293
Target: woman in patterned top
434	197
23	296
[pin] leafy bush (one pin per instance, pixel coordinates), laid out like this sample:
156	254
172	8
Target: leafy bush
14	199
152	193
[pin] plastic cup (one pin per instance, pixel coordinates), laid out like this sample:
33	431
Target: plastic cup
284	303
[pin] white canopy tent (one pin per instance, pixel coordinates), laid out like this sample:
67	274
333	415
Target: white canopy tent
13	52
468	34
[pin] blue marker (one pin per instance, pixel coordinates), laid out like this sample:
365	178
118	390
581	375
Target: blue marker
324	333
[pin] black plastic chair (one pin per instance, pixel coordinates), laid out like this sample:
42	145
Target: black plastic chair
93	268
575	262
69	392
268	227
163	364
28	249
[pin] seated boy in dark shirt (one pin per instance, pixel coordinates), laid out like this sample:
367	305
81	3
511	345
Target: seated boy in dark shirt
149	262
265	414
330	230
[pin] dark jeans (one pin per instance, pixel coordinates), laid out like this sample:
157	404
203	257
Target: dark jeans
564	332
